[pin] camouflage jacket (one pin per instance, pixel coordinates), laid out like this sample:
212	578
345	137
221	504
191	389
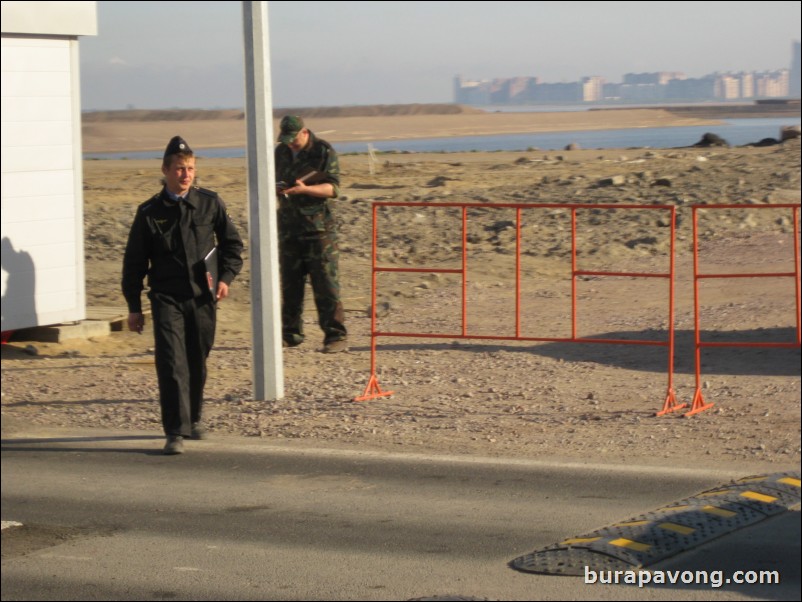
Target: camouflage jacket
300	213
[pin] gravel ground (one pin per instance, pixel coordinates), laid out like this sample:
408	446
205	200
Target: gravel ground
532	399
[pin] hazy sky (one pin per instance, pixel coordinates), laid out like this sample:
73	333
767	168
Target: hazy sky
190	54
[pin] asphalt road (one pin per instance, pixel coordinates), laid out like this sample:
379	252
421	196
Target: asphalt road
108	517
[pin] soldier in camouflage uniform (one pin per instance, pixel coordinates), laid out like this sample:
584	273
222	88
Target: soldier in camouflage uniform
308	174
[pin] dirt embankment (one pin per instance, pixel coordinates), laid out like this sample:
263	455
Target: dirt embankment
788	108
123	131
736	111
145	115
147	130
768	109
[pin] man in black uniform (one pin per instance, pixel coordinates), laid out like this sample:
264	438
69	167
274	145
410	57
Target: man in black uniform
308	174
170	237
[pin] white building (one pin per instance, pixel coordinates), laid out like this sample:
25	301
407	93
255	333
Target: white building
592	89
43	280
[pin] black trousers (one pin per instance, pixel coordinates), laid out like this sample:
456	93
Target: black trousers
184	334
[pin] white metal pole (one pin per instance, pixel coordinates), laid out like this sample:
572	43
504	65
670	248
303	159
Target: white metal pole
268	369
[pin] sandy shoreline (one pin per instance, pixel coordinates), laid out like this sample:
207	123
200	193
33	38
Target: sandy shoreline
122	136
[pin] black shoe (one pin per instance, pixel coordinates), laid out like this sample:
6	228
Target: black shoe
335	346
174	445
198	431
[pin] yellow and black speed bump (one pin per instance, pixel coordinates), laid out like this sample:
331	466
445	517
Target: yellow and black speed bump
657	535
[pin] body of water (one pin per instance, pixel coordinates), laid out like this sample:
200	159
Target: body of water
736	132
570	108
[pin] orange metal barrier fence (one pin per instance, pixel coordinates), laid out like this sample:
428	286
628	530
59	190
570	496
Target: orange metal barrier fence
699	404
373	389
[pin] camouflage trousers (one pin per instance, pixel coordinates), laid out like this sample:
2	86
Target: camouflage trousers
314	254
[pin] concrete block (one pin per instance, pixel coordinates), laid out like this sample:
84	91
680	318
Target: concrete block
58	333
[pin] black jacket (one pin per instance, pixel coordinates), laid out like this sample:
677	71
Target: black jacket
168	242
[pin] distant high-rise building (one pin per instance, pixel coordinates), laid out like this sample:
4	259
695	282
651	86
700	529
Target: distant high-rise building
727	87
592	89
796	72
470	92
659	78
747	84
772	84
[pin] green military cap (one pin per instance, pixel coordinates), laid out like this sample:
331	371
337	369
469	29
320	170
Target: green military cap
290	126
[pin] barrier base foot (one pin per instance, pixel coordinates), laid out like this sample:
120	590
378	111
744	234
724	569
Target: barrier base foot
699	404
372	390
671	404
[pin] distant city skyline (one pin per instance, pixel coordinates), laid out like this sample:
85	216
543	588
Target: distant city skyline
661	86
190	55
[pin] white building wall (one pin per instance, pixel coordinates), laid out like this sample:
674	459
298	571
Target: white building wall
43	279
